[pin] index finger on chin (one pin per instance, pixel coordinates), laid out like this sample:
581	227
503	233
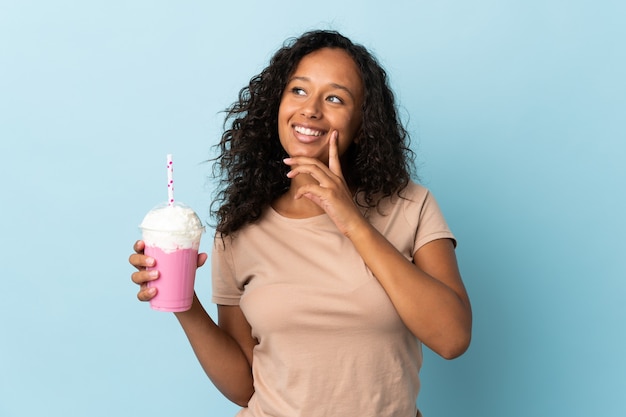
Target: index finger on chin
333	154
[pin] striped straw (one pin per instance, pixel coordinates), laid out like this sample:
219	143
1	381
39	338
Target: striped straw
170	181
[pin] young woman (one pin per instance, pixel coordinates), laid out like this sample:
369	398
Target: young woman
330	265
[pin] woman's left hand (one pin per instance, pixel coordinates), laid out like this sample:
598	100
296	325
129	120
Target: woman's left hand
329	190
427	293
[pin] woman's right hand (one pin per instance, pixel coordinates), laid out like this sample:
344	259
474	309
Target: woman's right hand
143	276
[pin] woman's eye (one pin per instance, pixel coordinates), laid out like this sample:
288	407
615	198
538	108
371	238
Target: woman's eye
297	90
335	99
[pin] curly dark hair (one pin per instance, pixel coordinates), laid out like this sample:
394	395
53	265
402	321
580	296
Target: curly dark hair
249	165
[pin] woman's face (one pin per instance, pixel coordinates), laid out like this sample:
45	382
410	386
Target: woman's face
324	94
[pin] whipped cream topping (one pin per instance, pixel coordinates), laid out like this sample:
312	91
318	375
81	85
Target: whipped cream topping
172	227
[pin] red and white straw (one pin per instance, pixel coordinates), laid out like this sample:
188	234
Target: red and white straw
170	181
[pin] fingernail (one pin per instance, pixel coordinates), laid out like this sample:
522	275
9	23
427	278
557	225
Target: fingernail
149	261
287	160
151	291
153	274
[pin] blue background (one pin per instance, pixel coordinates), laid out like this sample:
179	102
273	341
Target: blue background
516	110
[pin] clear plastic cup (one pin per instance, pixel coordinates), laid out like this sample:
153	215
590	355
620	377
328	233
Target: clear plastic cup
172	237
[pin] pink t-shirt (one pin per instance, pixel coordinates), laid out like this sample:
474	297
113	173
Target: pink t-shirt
330	341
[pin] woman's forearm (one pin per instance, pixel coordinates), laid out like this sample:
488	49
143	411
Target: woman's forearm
429	297
220	355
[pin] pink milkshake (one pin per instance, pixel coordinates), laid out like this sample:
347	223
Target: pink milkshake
172	237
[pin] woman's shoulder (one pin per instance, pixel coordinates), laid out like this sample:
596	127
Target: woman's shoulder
414	191
410	197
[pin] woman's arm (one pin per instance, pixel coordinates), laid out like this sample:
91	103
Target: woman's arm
428	294
224	350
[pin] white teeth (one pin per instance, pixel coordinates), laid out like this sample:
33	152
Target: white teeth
307	131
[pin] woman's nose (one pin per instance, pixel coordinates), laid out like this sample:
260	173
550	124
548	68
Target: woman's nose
311	109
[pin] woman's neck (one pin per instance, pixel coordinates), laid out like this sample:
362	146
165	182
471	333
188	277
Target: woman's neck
288	206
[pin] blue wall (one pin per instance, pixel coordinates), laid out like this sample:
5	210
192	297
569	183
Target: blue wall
516	109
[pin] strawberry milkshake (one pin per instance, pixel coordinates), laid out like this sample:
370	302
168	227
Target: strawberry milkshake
172	235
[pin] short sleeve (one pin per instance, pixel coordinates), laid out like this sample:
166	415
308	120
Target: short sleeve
431	223
226	290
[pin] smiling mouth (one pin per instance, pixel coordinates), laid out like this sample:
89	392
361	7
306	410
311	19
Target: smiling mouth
308	132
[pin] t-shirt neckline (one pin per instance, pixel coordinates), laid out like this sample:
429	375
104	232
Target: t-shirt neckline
305	220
